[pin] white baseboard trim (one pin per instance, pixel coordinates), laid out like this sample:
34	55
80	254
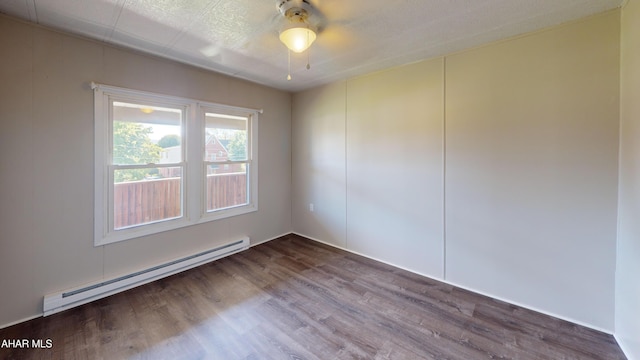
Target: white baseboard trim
271	239
20	321
372	258
524	306
532	308
623	347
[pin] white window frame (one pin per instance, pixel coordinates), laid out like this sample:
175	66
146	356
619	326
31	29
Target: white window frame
252	161
193	164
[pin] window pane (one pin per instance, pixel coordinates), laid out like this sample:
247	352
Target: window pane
225	137
144	134
138	202
226	187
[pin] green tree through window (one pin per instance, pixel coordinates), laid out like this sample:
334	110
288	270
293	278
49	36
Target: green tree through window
238	146
132	146
169	141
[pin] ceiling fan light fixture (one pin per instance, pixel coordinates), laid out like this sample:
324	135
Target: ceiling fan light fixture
298	33
298	37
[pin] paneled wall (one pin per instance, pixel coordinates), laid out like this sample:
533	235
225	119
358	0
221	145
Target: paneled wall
394	166
628	260
494	168
319	137
46	159
531	176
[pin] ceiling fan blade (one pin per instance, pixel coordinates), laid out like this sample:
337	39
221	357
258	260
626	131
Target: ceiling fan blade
336	38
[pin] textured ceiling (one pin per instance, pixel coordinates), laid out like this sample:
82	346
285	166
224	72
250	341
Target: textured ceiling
240	37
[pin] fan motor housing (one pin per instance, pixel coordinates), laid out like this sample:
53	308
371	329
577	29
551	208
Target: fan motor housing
290	8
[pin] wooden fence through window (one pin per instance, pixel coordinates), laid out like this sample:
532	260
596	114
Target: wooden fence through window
141	202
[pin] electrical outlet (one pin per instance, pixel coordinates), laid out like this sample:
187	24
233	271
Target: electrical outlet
311	207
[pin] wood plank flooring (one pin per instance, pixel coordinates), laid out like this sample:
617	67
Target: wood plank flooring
293	298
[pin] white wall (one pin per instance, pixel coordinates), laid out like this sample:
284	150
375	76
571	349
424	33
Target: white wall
319	137
384	163
46	159
532	143
529	128
394	166
628	255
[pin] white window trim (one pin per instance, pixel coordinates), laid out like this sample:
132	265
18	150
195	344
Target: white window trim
194	181
252	161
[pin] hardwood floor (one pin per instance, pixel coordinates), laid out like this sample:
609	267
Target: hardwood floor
293	298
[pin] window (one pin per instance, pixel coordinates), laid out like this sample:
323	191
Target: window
227	187
158	163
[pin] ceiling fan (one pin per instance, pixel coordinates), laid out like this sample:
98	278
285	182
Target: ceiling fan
302	24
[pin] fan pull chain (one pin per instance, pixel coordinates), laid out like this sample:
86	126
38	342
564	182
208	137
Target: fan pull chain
289	66
308	52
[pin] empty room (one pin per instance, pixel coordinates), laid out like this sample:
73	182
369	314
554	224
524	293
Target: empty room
320	179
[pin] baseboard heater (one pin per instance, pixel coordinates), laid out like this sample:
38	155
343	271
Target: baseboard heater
57	302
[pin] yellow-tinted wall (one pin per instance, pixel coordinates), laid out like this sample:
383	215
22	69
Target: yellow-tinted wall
531	176
319	136
628	256
394	166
